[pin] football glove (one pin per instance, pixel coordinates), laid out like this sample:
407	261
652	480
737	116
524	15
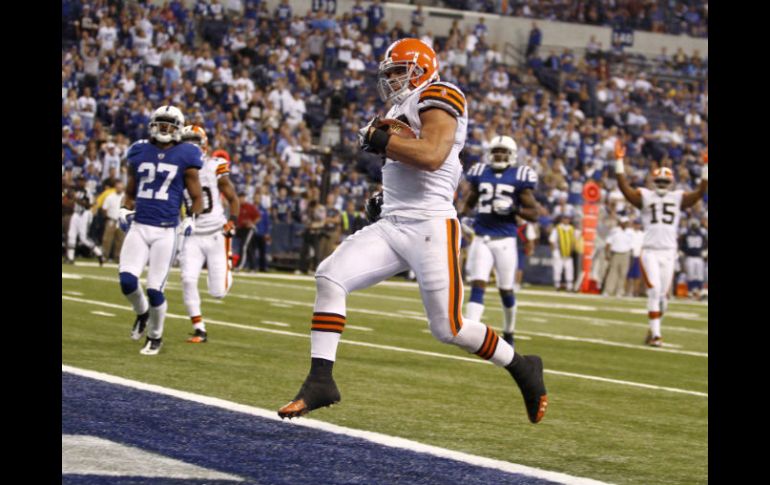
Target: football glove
466	224
620	153
229	228
374	207
188	226
373	138
502	207
125	218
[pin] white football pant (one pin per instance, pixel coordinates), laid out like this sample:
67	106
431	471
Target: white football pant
562	264
214	251
79	224
394	244
500	253
695	268
145	243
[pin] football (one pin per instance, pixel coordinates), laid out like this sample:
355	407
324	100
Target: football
398	128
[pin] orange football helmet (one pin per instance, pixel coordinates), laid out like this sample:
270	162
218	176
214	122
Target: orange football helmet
197	135
408	64
663	178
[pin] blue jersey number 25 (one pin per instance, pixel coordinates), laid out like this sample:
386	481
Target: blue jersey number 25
489	192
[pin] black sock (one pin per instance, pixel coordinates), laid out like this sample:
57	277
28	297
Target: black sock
514	365
321	368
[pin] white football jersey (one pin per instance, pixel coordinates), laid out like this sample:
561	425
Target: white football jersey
660	218
212	218
420	194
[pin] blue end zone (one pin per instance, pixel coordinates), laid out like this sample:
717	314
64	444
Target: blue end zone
259	450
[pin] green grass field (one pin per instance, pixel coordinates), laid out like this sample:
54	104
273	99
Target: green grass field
618	411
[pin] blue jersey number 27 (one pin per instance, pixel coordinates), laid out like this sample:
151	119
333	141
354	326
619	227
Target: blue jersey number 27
150	171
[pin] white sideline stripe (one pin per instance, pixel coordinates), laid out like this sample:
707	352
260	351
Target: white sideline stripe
212	300
70	276
384	347
378	438
356	327
73	293
104	314
277	324
281	305
409	284
422	318
542	306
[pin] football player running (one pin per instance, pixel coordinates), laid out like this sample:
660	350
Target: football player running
159	170
417	229
211	239
502	190
661	209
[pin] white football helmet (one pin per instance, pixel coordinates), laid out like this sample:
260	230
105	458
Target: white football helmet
502	152
166	124
196	135
663	178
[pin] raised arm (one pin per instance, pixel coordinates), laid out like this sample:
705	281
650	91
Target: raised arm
633	195
689	199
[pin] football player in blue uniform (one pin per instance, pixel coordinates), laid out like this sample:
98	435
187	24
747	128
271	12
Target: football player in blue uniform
159	170
502	191
694	246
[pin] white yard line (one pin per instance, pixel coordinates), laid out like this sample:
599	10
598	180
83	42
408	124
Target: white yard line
375	346
379	438
276	324
104	314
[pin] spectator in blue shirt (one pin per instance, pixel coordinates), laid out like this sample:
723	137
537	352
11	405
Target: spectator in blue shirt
535	39
374	15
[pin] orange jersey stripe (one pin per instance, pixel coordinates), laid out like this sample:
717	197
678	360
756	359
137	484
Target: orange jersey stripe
223	168
446	100
443	93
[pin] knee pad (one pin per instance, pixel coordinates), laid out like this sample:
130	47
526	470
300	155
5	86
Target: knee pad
509	299
156	297
128	283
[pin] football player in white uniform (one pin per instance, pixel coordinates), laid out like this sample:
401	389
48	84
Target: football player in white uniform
661	210
211	239
502	191
417	229
80	222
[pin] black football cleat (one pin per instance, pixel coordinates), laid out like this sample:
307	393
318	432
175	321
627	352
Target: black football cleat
315	393
527	371
198	337
140	325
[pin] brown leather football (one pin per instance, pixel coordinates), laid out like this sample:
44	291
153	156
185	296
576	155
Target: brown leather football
397	128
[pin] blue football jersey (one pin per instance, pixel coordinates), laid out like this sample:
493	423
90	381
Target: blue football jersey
694	242
160	180
499	197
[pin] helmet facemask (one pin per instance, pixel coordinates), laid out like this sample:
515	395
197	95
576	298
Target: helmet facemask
165	129
662	185
500	158
395	78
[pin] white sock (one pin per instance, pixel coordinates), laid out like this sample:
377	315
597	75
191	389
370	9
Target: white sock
480	339
474	311
138	300
157	317
655	327
71	254
198	323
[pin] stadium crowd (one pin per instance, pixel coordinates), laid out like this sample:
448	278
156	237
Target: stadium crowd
268	85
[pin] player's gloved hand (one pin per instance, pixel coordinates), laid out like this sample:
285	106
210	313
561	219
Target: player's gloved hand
620	153
229	228
125	218
374	207
188	226
373	138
